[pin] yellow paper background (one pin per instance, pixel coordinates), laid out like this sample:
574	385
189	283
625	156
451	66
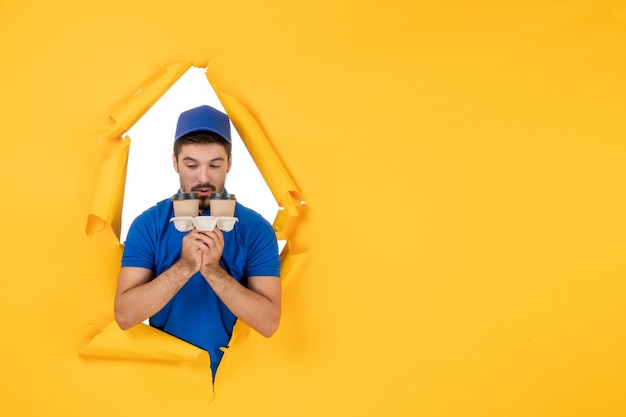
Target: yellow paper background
491	285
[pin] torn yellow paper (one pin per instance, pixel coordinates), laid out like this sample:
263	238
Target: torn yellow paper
274	172
140	342
126	114
157	350
495	129
286	219
106	206
290	264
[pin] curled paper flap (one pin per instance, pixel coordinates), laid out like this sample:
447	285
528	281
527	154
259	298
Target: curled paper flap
271	167
140	342
286	219
290	265
106	206
241	331
126	114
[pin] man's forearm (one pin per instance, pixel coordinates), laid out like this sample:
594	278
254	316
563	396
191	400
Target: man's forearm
253	308
138	303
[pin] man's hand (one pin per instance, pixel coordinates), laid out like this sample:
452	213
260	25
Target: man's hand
211	246
191	255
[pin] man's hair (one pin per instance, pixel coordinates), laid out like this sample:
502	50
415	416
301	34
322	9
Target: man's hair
201	138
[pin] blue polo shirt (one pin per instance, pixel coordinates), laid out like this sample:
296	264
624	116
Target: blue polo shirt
196	314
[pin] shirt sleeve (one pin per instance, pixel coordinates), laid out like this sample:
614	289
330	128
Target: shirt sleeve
139	249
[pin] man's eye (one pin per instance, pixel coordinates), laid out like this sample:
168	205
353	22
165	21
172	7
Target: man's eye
191	166
214	166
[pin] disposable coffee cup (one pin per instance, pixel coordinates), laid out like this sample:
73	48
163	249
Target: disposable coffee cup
222	204
186	204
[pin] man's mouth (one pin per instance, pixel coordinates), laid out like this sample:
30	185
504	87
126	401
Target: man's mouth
203	190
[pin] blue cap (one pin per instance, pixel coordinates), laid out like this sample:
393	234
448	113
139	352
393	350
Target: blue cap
203	119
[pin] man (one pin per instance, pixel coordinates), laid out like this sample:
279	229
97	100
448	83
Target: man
195	285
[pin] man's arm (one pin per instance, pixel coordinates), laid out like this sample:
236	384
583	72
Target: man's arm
139	297
258	305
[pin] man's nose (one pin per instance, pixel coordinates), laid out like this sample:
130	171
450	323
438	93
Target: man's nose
203	175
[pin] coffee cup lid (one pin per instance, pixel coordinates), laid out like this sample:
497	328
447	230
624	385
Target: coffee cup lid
185	196
222	196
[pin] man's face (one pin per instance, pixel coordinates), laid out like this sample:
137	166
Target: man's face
202	169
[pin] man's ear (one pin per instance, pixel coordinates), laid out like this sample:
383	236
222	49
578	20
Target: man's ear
175	162
230	163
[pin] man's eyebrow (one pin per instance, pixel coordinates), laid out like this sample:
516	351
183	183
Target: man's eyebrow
189	158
